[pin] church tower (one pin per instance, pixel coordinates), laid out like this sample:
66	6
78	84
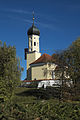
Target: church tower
32	52
33	37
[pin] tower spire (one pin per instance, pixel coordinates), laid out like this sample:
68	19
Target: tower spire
33	17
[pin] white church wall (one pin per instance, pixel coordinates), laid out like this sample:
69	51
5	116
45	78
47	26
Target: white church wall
37	72
31	57
32	46
50	70
42	71
35	38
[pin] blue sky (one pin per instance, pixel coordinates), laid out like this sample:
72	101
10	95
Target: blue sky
57	20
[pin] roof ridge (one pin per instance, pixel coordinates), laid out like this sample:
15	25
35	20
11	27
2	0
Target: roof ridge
42	59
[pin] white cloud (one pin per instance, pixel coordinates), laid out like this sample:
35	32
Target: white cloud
42	24
18	11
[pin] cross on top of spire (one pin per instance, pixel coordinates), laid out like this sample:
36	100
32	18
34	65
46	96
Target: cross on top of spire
33	30
33	17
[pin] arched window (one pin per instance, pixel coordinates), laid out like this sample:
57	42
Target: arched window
34	43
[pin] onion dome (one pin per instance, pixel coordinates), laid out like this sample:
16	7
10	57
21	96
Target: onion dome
33	30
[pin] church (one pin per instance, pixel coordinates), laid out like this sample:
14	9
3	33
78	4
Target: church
38	66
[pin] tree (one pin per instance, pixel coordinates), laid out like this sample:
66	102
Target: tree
73	61
10	71
68	64
61	67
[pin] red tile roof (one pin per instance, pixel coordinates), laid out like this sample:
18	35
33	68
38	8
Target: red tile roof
43	59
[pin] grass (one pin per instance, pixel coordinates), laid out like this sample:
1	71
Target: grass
38	103
30	95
